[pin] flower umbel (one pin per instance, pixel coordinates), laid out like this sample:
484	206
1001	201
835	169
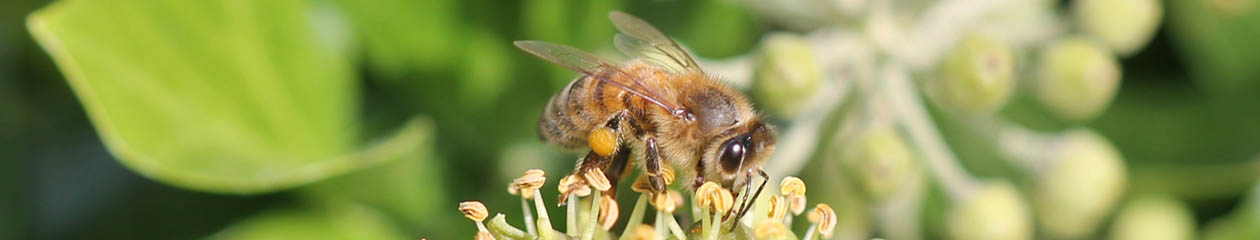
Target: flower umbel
712	207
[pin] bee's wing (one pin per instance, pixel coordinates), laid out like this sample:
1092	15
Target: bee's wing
565	56
641	39
590	65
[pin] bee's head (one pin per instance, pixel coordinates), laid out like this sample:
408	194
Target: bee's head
738	152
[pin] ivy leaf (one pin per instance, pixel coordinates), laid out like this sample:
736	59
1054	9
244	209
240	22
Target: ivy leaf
324	221
231	96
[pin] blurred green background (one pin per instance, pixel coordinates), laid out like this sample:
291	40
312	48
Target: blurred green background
371	119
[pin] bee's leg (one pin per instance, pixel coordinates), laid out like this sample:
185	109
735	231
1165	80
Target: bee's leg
699	179
613	166
617	169
652	164
608	152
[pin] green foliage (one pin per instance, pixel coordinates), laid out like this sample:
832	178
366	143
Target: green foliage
327	221
222	96
1221	35
399	36
410	187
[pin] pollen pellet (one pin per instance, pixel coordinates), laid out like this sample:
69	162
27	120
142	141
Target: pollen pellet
602	140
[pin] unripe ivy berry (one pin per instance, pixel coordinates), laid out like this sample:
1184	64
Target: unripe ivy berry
1077	78
1067	210
1154	218
787	73
879	162
976	76
1124	25
994	212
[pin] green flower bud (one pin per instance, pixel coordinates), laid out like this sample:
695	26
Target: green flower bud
879	162
1077	78
1124	25
1154	218
976	76
787	73
1080	186
995	211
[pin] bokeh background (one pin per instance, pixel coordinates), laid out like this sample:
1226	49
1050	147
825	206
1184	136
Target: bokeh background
371	119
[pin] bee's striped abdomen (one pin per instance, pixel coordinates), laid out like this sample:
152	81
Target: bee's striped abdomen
582	105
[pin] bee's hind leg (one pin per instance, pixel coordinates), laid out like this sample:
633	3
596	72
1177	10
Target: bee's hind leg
609	153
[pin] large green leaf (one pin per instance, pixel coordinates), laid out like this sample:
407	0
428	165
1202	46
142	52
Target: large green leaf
234	96
320	221
411	189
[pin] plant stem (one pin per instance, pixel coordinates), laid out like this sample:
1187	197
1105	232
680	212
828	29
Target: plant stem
1029	150
636	216
660	225
924	135
717	224
705	220
799	140
544	221
570	217
589	231
809	233
501	229
528	214
674	227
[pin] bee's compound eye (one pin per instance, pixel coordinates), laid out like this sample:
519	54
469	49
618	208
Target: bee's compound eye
732	154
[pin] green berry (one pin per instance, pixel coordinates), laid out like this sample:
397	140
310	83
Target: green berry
1154	218
1124	25
787	73
1081	185
976	76
1077	78
995	211
879	161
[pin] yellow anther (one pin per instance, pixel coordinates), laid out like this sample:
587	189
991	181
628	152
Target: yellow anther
776	211
608	212
723	200
664	203
825	217
533	179
474	210
704	194
796	204
792	186
667	175
602	140
642	184
571	184
595	177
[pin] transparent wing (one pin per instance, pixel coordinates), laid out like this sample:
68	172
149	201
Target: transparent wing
565	56
641	39
590	65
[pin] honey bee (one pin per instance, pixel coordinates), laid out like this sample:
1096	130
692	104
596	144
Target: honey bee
660	106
